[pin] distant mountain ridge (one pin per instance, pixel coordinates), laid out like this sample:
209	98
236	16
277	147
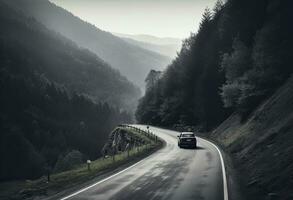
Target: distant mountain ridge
132	61
169	50
151	39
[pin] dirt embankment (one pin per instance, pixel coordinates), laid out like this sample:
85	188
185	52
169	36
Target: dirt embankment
262	146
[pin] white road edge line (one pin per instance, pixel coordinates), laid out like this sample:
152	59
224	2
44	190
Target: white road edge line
225	186
101	181
223	169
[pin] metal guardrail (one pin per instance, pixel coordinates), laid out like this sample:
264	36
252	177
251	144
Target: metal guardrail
138	143
148	133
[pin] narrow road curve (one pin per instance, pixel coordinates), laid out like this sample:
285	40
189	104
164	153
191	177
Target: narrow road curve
170	173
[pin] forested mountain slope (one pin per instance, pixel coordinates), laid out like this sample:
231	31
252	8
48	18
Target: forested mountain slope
62	61
132	61
54	98
240	55
236	69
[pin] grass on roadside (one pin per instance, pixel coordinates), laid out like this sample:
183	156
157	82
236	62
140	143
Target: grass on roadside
81	173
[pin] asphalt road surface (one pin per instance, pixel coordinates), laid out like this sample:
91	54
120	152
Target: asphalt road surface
170	173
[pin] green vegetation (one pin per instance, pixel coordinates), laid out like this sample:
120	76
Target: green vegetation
80	173
261	147
132	61
27	47
56	98
240	55
228	71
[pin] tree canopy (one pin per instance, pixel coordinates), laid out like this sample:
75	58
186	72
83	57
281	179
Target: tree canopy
240	55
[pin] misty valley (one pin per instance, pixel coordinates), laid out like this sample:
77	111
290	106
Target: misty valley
90	110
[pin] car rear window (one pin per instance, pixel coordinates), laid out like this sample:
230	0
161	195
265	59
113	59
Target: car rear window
187	135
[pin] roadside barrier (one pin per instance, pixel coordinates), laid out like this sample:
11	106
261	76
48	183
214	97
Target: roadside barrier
147	133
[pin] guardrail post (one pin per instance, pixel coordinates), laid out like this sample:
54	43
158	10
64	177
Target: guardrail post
127	149
48	170
88	165
113	152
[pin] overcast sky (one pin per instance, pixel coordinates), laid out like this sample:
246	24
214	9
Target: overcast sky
162	18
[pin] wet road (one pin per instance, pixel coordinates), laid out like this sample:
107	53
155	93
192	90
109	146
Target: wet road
170	173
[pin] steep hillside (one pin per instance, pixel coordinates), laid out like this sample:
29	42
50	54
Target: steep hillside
35	47
132	61
240	55
262	146
54	99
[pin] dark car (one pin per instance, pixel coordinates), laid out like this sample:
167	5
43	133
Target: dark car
187	139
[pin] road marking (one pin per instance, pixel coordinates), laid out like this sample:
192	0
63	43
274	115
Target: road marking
101	181
104	180
225	186
223	169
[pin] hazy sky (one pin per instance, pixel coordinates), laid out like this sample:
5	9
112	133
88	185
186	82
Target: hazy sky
163	18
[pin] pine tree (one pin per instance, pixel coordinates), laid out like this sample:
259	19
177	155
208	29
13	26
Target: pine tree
218	6
206	18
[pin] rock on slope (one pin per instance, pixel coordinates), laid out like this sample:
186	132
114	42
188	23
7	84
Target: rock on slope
262	146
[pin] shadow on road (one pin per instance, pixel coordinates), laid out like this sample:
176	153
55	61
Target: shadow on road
197	148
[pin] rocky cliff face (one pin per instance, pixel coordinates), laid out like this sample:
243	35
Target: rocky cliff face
122	139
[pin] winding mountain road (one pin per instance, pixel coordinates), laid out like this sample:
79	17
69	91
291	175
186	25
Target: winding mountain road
170	173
